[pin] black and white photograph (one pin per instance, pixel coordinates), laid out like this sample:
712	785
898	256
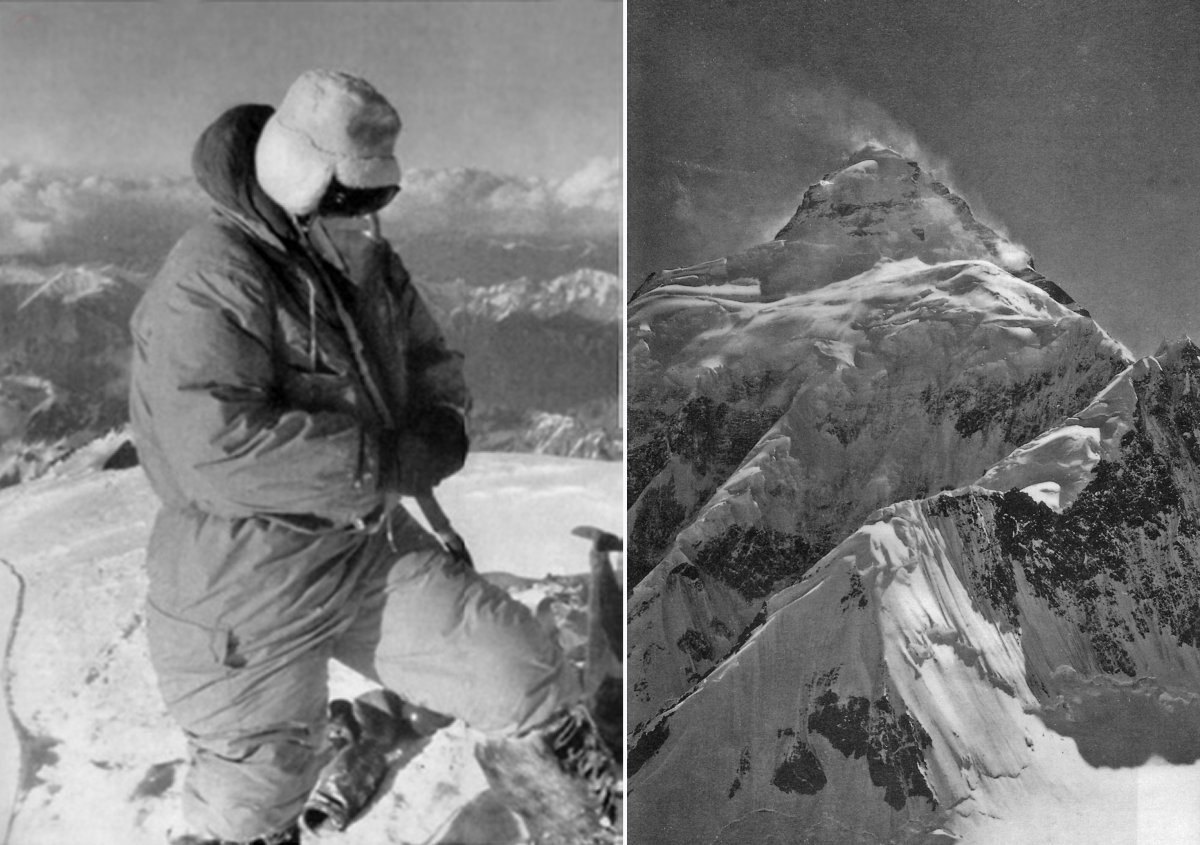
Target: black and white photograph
913	420
311	449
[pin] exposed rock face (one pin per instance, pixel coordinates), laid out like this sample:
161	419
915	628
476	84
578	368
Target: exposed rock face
967	660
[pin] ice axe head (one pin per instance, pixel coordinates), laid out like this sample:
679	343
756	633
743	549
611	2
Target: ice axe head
450	539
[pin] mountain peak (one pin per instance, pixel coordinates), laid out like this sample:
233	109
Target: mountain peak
1172	351
884	205
879	206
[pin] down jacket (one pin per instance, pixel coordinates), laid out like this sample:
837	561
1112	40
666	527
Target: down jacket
278	377
274	375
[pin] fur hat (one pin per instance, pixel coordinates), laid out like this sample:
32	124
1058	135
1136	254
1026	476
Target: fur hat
329	124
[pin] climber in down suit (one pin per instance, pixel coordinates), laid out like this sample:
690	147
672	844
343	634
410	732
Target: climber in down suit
288	386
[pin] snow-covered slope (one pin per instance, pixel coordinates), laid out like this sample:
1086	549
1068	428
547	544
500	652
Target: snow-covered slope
765	425
99	762
979	666
587	293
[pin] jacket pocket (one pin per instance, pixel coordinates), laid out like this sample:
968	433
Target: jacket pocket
182	646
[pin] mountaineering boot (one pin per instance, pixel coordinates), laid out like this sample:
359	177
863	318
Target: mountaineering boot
363	733
288	836
576	743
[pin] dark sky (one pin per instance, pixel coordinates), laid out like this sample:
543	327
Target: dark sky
1074	125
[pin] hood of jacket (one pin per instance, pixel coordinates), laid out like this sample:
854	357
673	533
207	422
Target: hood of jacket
223	164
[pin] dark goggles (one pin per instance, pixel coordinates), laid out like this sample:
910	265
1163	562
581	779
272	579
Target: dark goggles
341	201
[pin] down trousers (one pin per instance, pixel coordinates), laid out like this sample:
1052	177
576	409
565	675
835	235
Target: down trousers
244	615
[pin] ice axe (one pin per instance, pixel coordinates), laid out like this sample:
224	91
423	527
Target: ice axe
450	539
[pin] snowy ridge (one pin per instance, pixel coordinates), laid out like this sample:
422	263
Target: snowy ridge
587	293
560	434
764	430
961	669
68	284
879	206
1054	467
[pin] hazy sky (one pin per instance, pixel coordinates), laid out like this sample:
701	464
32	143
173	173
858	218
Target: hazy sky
525	88
1074	124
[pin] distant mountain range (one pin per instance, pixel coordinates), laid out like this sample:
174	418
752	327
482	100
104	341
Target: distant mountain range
64	361
447	257
521	271
542	357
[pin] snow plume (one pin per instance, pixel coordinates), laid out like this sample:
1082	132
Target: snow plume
721	154
587	203
723	150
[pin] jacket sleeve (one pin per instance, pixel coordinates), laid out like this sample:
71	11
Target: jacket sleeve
213	395
437	397
435	370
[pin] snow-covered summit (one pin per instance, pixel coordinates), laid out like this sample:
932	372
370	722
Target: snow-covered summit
898	209
880	206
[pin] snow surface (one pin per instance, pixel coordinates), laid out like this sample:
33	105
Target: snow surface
83	692
516	512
